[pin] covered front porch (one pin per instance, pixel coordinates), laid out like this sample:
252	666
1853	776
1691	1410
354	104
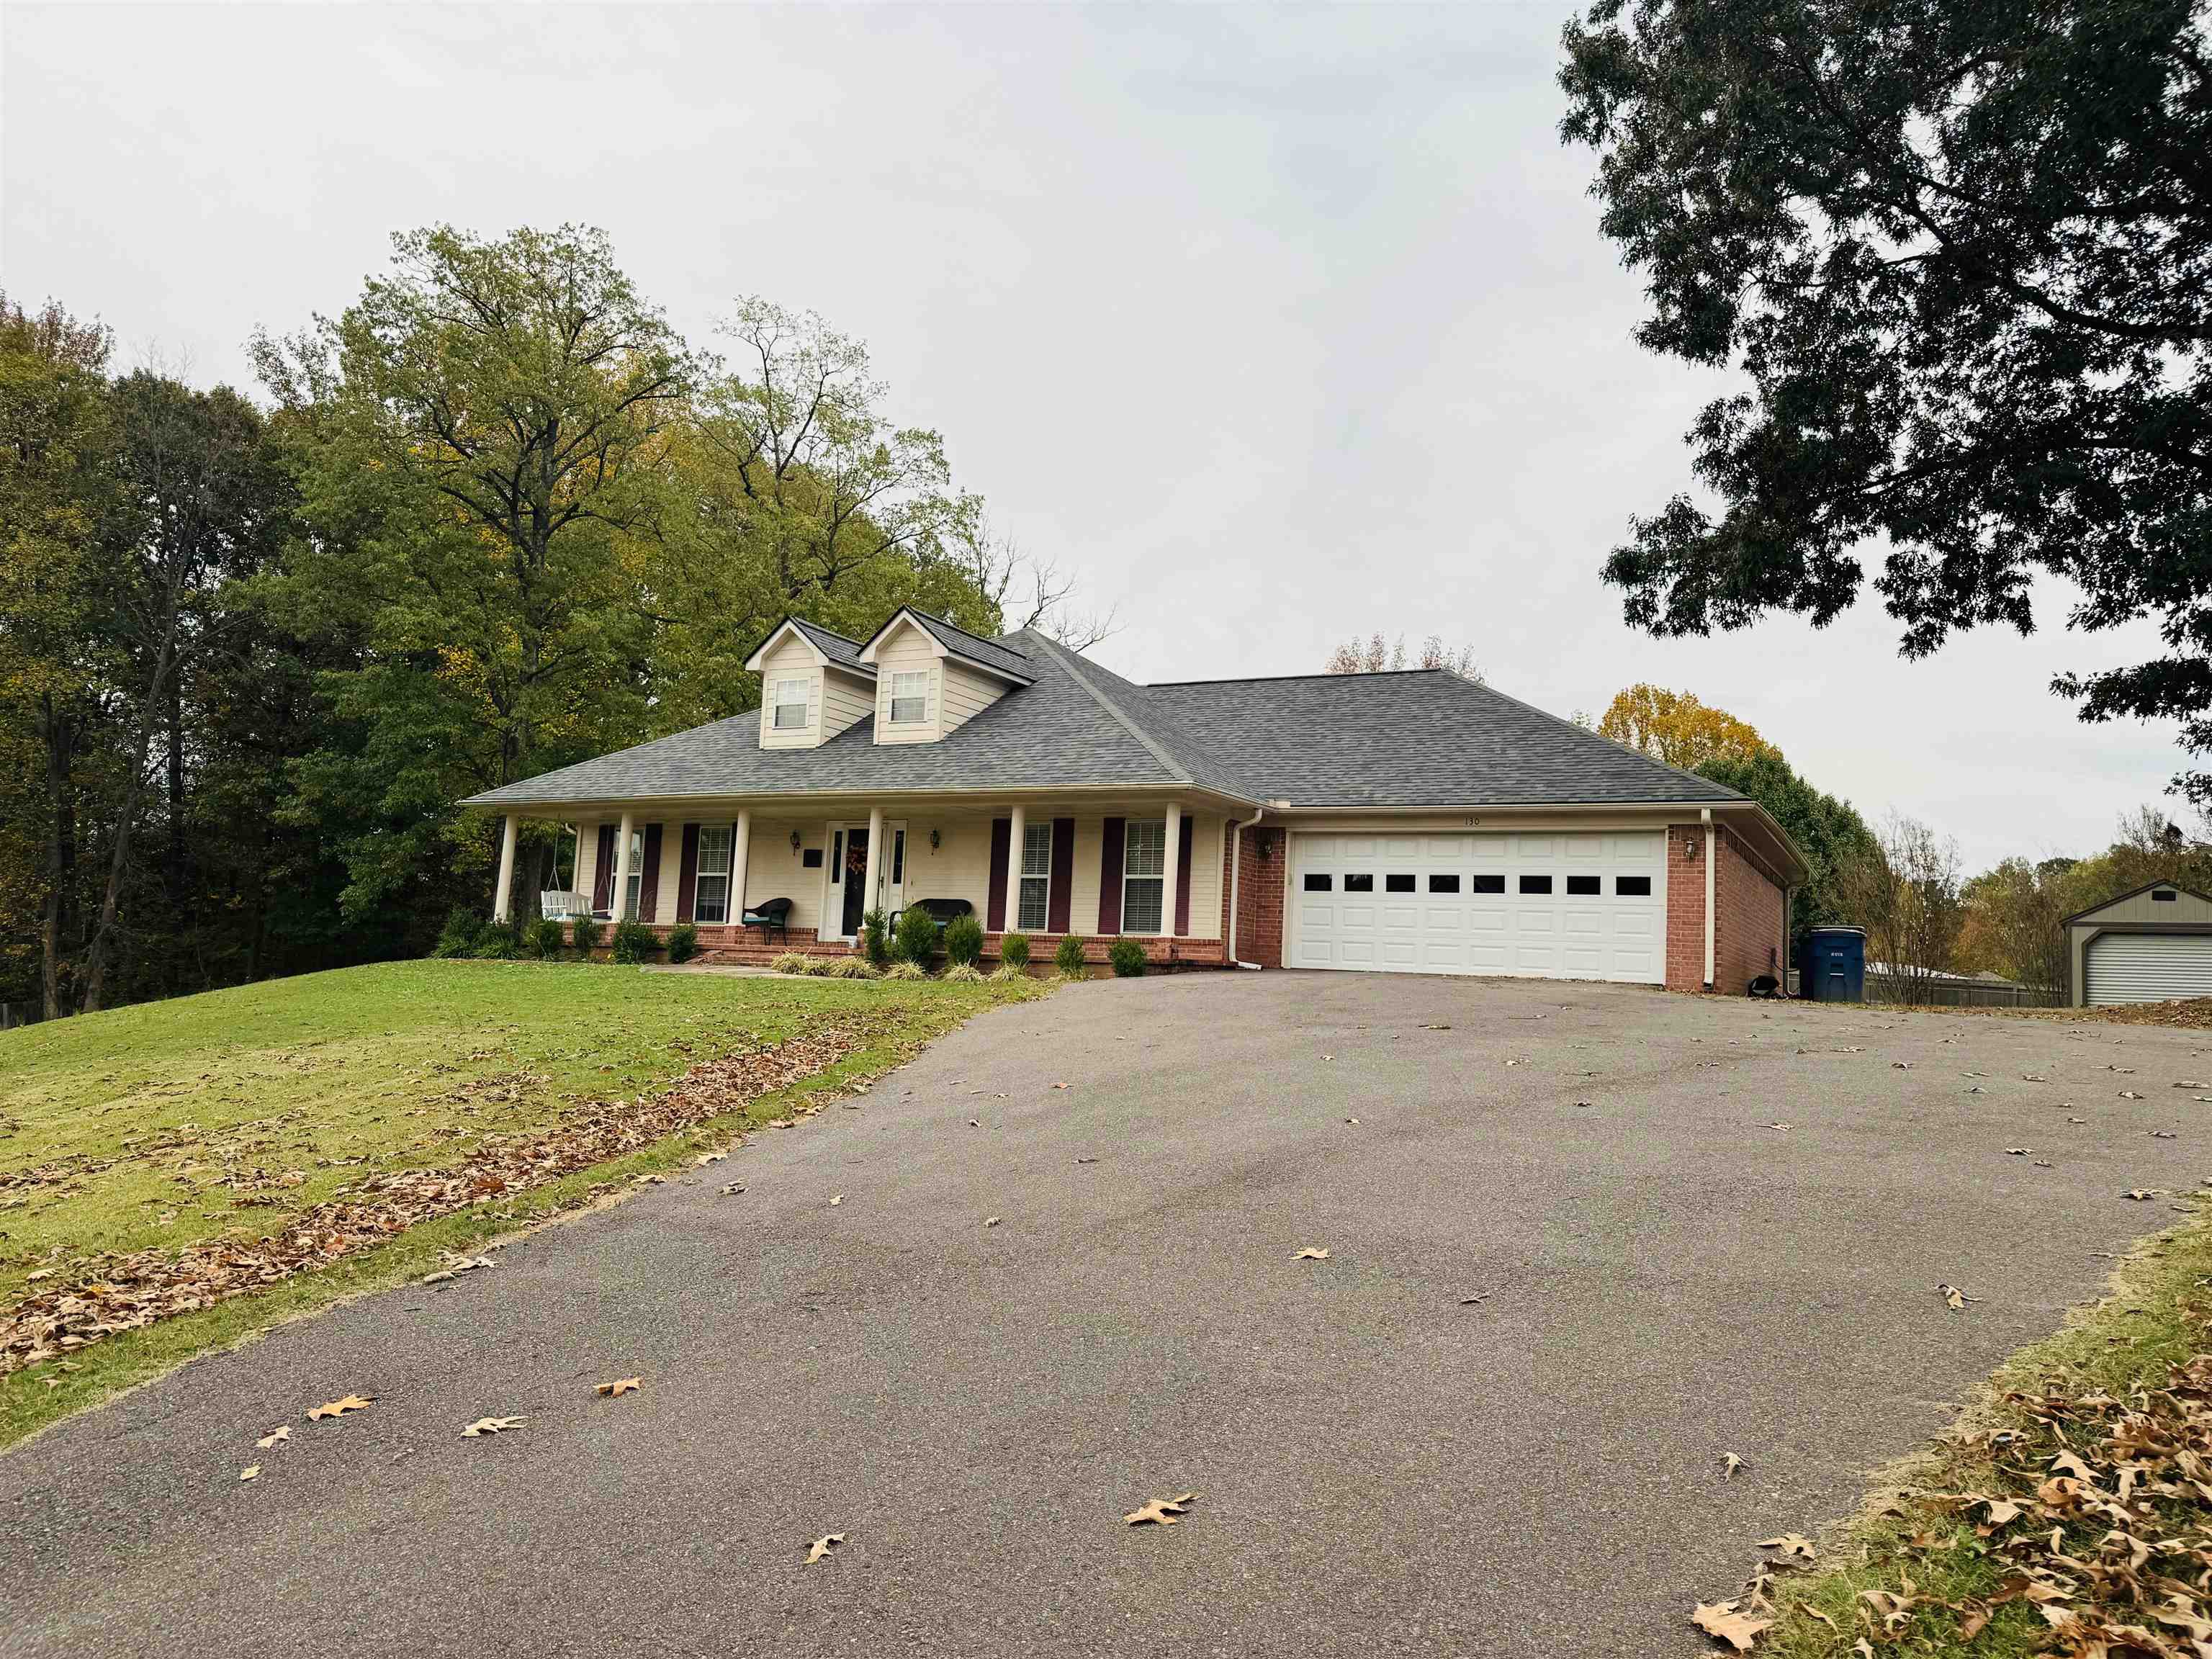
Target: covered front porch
1151	869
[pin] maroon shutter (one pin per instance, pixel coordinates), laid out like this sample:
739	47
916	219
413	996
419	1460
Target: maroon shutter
687	874
1110	877
603	872
648	885
1063	874
1182	879
1002	843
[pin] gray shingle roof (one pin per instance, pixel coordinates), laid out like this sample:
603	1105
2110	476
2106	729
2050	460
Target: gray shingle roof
992	653
845	652
1422	738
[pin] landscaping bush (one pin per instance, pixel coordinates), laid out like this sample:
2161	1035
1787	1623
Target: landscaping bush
1069	957
964	941
587	935
683	942
634	941
1008	970
496	943
460	937
875	939
790	962
548	938
1014	950
1127	957
848	968
917	936
964	973
906	970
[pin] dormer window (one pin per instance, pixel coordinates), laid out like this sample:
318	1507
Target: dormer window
790	701
911	698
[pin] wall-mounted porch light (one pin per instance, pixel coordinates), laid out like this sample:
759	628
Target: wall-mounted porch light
794	840
933	841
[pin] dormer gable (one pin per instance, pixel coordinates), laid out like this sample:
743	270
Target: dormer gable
932	675
813	684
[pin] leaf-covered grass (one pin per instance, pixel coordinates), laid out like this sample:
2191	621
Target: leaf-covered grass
2154	1319
224	1113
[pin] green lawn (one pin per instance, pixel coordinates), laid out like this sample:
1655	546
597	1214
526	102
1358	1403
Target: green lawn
177	1122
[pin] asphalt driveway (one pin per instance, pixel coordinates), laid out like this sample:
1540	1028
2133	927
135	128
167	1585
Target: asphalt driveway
1381	1469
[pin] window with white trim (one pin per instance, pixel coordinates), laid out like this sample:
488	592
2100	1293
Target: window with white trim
636	874
790	701
710	897
1035	903
910	697
1143	875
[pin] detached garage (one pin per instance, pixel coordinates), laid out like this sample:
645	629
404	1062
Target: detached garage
2154	944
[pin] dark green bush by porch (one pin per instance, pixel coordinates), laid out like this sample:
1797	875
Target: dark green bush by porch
1069	958
916	941
458	937
1014	950
875	939
634	941
496	941
587	934
683	942
1127	957
964	941
547	938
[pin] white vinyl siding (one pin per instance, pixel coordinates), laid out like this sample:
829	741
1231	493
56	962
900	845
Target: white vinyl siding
966	694
846	699
1143	875
908	651
1034	908
791	678
710	900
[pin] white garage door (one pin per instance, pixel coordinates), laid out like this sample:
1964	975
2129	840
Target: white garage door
1578	906
2146	967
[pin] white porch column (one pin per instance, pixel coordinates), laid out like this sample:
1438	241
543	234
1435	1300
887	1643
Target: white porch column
1013	917
501	898
741	846
1171	867
874	900
620	906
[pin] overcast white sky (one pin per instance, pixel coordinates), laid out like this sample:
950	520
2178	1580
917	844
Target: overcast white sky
1274	326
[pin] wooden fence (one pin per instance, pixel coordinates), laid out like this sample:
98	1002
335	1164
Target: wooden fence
1948	991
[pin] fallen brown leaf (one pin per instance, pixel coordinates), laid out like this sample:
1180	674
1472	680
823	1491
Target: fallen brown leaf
1721	1621
619	1387
484	1426
1161	1511
1790	1546
251	1472
1729	1464
352	1402
276	1437
821	1547
1309	1254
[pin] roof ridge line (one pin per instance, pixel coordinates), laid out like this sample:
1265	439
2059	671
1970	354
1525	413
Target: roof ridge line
969	633
1326	674
1175	767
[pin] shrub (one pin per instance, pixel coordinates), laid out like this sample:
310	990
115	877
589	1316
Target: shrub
917	936
634	941
906	970
1127	957
1069	957
1014	950
875	939
848	968
1008	970
683	942
791	962
548	938
587	934
964	973
496	943
964	941
458	937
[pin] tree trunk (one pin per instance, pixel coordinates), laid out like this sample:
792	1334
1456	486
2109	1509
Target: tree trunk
61	854
175	863
102	948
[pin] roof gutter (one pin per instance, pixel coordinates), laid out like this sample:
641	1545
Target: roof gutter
1235	869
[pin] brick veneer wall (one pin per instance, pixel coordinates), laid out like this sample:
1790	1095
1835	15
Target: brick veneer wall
1259	896
1747	912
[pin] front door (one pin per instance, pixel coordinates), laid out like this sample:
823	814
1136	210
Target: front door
856	879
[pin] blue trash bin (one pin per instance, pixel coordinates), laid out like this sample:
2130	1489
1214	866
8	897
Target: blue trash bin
1834	969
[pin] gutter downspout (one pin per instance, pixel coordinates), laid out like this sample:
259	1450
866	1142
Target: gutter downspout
1706	814
1235	871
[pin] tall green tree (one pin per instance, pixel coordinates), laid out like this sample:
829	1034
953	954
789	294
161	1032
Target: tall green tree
1834	839
1960	256
476	433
